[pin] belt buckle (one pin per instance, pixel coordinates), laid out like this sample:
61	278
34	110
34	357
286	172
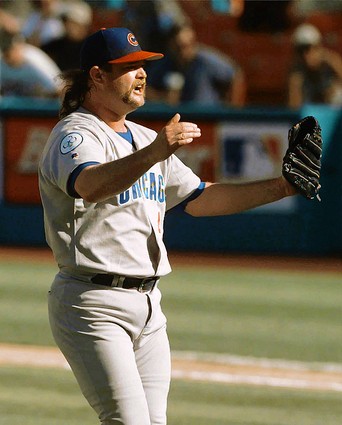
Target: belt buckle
142	287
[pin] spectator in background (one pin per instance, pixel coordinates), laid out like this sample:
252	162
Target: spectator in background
8	22
15	10
65	50
25	70
307	7
192	72
44	23
316	73
151	20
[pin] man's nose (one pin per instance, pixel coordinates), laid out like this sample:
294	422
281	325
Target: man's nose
141	73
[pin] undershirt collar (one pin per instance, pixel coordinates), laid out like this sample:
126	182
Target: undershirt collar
127	135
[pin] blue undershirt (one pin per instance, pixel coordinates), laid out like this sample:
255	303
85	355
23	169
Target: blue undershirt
127	135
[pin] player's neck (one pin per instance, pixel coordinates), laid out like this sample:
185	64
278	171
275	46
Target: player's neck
112	119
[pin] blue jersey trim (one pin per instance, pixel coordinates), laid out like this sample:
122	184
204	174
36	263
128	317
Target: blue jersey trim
73	176
127	135
193	196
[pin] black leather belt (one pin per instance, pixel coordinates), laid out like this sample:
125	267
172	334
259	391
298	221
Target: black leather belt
116	281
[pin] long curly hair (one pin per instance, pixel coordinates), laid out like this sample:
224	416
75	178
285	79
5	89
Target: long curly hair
77	85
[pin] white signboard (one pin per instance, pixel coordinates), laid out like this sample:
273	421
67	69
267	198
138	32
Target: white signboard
252	151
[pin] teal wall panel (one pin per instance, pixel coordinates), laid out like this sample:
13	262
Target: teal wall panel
309	228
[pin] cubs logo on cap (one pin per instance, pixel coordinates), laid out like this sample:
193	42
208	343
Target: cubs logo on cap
132	40
113	45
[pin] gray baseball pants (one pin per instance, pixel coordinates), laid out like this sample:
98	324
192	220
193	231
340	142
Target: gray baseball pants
116	344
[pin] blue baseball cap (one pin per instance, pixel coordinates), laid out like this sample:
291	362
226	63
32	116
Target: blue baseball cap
113	45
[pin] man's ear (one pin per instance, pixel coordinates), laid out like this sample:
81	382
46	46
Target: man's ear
96	74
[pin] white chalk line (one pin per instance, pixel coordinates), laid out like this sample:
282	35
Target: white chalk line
256	380
325	376
257	361
51	357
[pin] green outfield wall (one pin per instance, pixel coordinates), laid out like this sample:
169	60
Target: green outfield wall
237	145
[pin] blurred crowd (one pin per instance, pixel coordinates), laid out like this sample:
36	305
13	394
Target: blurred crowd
40	39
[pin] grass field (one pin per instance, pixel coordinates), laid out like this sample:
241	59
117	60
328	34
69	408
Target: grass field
276	314
283	314
46	396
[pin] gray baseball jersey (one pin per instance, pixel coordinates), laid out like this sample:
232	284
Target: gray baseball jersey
116	241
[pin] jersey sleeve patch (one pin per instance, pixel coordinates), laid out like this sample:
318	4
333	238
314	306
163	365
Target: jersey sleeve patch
70	142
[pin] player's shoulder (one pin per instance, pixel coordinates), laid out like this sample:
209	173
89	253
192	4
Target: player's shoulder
79	119
78	124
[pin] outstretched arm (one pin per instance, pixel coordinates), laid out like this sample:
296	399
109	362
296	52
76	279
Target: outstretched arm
226	198
99	182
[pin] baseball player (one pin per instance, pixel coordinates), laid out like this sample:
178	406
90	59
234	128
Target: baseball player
106	183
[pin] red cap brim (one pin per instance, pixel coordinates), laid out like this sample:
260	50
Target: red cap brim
138	56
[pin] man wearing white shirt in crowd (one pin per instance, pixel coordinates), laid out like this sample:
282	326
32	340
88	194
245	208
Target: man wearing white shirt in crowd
25	70
44	23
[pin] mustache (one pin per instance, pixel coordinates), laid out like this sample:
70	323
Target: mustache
138	83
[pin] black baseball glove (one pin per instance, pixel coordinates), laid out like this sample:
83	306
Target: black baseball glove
302	160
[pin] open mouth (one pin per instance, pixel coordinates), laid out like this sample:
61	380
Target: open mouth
139	88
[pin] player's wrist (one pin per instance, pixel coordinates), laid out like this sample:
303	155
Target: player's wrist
286	187
151	155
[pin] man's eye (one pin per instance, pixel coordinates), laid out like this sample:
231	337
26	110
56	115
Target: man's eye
134	67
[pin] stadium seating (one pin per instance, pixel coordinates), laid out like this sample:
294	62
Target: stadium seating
265	57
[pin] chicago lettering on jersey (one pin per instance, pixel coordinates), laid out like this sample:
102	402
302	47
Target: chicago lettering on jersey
150	186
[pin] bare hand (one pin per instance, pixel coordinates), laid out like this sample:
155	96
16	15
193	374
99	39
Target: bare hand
174	135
